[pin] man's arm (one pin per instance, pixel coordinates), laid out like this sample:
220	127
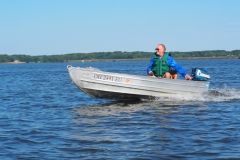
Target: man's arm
150	65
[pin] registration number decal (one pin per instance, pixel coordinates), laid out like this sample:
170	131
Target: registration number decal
107	78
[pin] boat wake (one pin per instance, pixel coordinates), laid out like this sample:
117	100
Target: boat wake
214	95
218	95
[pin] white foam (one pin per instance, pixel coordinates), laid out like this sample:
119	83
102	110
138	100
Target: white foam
214	95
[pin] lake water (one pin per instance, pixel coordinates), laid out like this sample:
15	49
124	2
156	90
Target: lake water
44	116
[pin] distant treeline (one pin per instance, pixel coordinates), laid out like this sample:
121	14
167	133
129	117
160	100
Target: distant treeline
112	55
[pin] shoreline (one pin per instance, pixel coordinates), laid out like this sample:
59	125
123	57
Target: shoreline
136	59
144	59
13	63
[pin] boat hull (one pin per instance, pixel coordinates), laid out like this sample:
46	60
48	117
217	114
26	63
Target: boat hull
118	86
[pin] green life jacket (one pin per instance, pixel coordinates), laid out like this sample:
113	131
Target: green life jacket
160	66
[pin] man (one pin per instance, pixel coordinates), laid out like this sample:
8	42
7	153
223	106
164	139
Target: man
161	64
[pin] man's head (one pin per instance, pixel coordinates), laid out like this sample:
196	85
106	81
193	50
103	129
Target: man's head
160	49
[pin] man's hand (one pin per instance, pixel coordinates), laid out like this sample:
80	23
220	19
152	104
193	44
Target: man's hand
188	77
150	73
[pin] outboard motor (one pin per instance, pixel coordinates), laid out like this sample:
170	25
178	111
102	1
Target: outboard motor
199	74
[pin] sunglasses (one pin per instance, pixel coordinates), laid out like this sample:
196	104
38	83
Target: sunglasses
156	49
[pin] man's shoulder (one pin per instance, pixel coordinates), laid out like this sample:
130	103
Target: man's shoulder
168	53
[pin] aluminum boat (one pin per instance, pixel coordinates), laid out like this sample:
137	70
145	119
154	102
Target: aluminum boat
118	86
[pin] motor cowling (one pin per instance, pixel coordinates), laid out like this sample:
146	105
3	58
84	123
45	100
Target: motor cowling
199	74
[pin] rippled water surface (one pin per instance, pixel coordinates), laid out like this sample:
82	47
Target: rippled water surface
44	116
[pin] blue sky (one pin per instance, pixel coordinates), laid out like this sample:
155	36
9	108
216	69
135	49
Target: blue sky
47	27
